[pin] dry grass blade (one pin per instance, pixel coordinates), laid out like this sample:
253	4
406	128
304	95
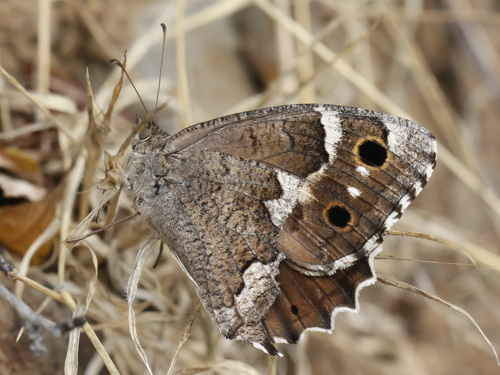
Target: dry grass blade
215	11
348	49
411	288
117	90
43	46
94	27
302	13
49	232
429	237
102	229
473	252
93	146
271	365
74	179
33	100
25	131
383	256
24	311
222	367
185	335
183	86
71	363
79	232
328	55
131	293
94	141
469	179
65	298
92	336
427	83
37	286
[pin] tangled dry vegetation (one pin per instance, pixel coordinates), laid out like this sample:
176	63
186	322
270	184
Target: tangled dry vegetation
61	152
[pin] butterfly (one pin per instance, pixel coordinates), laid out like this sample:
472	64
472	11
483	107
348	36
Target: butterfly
277	214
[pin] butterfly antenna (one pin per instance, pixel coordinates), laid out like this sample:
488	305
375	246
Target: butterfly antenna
116	62
164	27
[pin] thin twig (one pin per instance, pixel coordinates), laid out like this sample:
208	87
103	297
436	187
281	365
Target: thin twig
430	237
37	104
411	288
185	336
102	229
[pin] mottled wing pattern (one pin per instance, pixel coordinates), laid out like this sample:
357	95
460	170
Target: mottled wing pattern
210	211
276	214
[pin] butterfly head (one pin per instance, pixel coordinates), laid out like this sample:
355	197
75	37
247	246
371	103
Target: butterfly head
147	161
142	141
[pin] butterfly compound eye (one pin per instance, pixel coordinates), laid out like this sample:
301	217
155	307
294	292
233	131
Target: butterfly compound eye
144	134
372	153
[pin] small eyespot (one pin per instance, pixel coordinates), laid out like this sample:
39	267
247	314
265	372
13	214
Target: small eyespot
144	134
295	310
338	216
372	153
157	187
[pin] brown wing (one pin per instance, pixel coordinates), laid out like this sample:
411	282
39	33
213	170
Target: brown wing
341	176
347	174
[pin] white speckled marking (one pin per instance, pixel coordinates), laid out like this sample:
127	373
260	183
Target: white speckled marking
225	318
418	187
281	207
261	347
343	263
333	130
333	135
405	202
430	167
353	191
393	141
259	279
362	171
391	219
408	140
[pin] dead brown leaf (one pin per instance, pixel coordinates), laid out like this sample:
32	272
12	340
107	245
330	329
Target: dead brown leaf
22	223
